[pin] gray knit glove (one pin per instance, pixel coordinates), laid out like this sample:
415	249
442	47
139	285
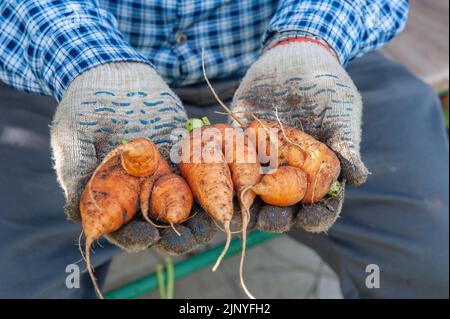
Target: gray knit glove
101	107
310	90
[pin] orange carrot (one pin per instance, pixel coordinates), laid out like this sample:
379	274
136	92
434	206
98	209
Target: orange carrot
241	156
171	199
283	186
110	198
209	179
147	185
301	150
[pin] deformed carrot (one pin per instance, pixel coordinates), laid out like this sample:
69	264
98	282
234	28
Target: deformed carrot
110	198
109	201
283	186
240	154
301	150
210	180
147	186
171	199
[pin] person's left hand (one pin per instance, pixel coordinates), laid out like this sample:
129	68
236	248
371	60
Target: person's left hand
103	106
303	82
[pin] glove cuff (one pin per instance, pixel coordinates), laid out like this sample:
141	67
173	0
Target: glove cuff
108	77
304	40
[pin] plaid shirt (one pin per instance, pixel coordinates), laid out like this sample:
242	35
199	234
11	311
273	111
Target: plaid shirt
45	44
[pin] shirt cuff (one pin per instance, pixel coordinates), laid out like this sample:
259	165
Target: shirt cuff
72	47
338	26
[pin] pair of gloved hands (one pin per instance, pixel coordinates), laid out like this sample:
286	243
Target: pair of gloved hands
123	100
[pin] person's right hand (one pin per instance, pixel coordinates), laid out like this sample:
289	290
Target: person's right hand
101	107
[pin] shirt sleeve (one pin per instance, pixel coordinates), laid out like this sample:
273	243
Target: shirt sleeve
45	44
349	27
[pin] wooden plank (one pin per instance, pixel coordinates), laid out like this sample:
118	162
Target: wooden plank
423	47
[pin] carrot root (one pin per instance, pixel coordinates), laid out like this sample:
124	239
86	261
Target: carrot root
79	246
241	199
231	232
91	269
245	214
238	120
226	227
154	224
175	230
284	132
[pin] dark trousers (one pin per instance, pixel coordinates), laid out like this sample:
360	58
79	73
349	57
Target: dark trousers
398	220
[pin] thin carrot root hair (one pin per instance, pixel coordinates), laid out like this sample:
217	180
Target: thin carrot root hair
190	217
162	226
231	232
285	135
91	269
241	123
245	222
283	131
227	113
153	223
174	229
245	189
171	225
226	227
79	246
266	129
99	244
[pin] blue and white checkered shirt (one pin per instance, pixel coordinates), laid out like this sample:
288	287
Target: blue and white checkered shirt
45	44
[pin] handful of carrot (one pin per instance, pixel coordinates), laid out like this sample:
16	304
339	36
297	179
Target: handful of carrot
134	176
